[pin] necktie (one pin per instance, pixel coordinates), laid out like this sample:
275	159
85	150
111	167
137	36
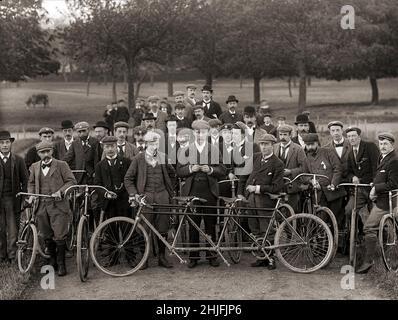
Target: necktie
45	165
5	159
112	162
282	155
121	152
355	154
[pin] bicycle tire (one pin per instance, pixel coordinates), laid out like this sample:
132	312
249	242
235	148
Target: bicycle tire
332	224
82	248
233	238
286	210
105	232
316	235
28	241
71	237
388	241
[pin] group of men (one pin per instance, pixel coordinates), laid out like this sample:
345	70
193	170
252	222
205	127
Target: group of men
188	153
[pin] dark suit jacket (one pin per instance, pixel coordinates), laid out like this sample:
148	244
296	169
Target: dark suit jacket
344	157
386	179
227	117
269	176
60	149
365	166
193	156
214	109
61	178
80	159
184	123
327	162
103	178
19	179
135	178
122	114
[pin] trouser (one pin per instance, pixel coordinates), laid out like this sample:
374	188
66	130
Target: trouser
293	200
9	222
363	206
51	221
336	207
259	226
371	226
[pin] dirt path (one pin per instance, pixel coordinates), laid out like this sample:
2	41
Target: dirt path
204	282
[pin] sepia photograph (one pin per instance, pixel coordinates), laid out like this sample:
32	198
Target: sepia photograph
198	155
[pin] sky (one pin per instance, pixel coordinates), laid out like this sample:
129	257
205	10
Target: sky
55	8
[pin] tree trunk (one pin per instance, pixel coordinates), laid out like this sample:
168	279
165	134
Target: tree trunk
88	84
130	84
125	79
302	87
375	90
256	89
289	83
209	79
170	75
294	82
105	79
64	73
114	93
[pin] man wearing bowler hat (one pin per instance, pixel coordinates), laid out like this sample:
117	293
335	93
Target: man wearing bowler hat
211	108
52	177
231	115
63	145
385	180
13	179
310	123
303	128
149	121
160	117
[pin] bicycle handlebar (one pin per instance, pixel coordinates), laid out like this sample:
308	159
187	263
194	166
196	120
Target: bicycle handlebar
87	187
224	181
78	171
312	175
27	194
360	185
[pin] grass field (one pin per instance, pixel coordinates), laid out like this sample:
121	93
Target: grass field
327	100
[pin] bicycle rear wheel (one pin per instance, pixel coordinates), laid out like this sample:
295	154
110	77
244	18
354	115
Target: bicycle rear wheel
233	239
123	248
286	210
389	242
328	217
306	247
82	248
27	248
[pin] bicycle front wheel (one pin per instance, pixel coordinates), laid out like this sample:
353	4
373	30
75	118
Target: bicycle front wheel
118	248
389	242
82	248
306	247
328	217
27	248
233	239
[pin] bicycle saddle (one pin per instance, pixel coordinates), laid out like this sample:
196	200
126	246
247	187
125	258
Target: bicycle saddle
231	200
188	199
281	195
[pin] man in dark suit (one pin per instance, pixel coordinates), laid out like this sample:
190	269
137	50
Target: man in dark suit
253	130
139	143
63	145
293	157
199	112
101	130
83	154
214	133
46	134
182	120
52	177
211	108
303	128
312	128
201	172
267	125
385	180
362	162
124	148
231	115
122	112
148	175
13	179
267	177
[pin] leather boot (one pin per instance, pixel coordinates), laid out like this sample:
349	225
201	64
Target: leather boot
370	245
61	248
52	252
163	262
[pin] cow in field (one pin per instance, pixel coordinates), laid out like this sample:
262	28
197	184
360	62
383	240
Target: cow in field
35	99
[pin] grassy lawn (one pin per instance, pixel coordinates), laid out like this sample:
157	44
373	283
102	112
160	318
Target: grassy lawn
12	282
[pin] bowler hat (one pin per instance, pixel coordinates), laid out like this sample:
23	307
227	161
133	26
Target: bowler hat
231	99
206	87
301	118
101	124
148	116
5	135
66	124
249	110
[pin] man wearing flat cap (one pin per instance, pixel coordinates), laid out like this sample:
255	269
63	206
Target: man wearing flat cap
199	112
125	149
180	101
211	108
46	134
214	133
326	162
83	154
253	130
148	175
231	115
294	158
201	170
385	180
50	176
303	128
63	145
160	122
267	177
13	179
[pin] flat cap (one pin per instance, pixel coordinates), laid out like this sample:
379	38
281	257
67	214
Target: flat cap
285	128
151	136
109	140
266	137
191	85
198	105
67	124
139	130
249	110
386	136
301	118
268	114
121	124
44	145
306	112
101	124
310	138
349	129
82	125
179	106
178	93
45	130
281	118
214	123
335	123
200	125
153	98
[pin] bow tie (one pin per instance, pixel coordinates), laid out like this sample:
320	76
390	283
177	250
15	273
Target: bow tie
339	145
46	165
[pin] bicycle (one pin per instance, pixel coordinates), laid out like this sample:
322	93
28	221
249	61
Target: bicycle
352	225
83	229
28	241
303	242
311	206
388	235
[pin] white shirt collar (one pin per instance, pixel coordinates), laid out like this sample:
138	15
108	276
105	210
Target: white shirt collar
5	155
182	118
266	157
341	141
200	147
231	112
113	158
